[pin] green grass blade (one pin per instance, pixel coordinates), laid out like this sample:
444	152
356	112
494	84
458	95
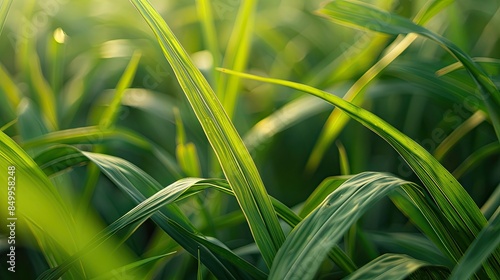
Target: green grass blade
450	197
44	208
343	159
186	153
447	88
94	135
493	202
205	13
363	16
457	65
309	242
321	192
10	90
415	245
4	11
139	185
485	244
108	118
8	125
138	214
336	254
388	266
476	158
287	116
44	93
124	271
423	213
60	158
458	133
337	120
237	53
232	154
55	54
29	121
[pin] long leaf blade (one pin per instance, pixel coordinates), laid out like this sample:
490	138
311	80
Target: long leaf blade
233	156
134	182
450	197
309	242
40	206
487	241
337	120
364	16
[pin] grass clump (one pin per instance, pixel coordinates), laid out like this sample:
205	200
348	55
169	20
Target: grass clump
193	139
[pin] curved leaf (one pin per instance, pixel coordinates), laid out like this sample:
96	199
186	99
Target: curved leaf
309	242
364	16
42	212
137	215
337	120
139	185
290	114
453	202
485	244
476	158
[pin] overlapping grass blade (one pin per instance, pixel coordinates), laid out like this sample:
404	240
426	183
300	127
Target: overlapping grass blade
309	242
138	185
446	88
232	154
426	216
138	214
363	16
41	206
287	116
336	254
60	158
388	266
337	120
29	121
460	211
321	192
485	244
